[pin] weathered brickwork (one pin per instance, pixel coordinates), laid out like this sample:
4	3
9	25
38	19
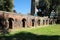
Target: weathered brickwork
12	20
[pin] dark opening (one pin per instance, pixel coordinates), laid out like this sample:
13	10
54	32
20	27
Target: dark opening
50	21
33	22
46	21
2	23
10	22
43	22
23	22
38	22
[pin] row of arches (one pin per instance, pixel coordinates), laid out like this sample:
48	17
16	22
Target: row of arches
11	20
24	21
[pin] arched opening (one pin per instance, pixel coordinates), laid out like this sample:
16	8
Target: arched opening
43	22
46	22
38	22
2	23
23	22
10	22
33	22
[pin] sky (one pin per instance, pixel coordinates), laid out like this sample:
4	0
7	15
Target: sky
22	6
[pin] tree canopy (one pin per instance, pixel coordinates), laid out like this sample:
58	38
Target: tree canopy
47	6
6	5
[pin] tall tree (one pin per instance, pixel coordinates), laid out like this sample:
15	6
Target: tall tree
42	8
6	5
1	5
52	5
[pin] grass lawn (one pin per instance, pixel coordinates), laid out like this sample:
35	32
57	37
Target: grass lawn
48	30
51	32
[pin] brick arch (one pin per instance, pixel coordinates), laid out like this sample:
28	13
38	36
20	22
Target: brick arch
43	22
33	22
47	22
23	22
38	22
10	22
2	23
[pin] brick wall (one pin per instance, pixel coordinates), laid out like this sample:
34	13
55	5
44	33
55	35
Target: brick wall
21	21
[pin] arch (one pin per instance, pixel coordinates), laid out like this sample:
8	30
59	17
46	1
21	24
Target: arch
2	23
39	22
33	20
43	22
23	22
46	22
10	22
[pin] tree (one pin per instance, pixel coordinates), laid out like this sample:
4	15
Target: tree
42	7
52	5
6	5
1	4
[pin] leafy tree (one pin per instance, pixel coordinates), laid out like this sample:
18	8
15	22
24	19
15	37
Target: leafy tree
52	5
42	7
1	5
6	5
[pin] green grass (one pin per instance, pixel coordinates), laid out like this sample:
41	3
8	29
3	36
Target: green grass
51	32
48	30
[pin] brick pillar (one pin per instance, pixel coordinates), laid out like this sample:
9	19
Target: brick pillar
13	24
18	23
26	24
7	24
41	23
35	23
21	24
30	23
47	22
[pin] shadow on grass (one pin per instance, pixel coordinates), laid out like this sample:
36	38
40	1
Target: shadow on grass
29	36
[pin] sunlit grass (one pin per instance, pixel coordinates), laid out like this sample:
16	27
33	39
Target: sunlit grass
48	30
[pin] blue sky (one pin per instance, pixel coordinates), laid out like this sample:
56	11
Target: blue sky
22	6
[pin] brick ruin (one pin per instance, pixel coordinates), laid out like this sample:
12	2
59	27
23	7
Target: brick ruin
12	20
